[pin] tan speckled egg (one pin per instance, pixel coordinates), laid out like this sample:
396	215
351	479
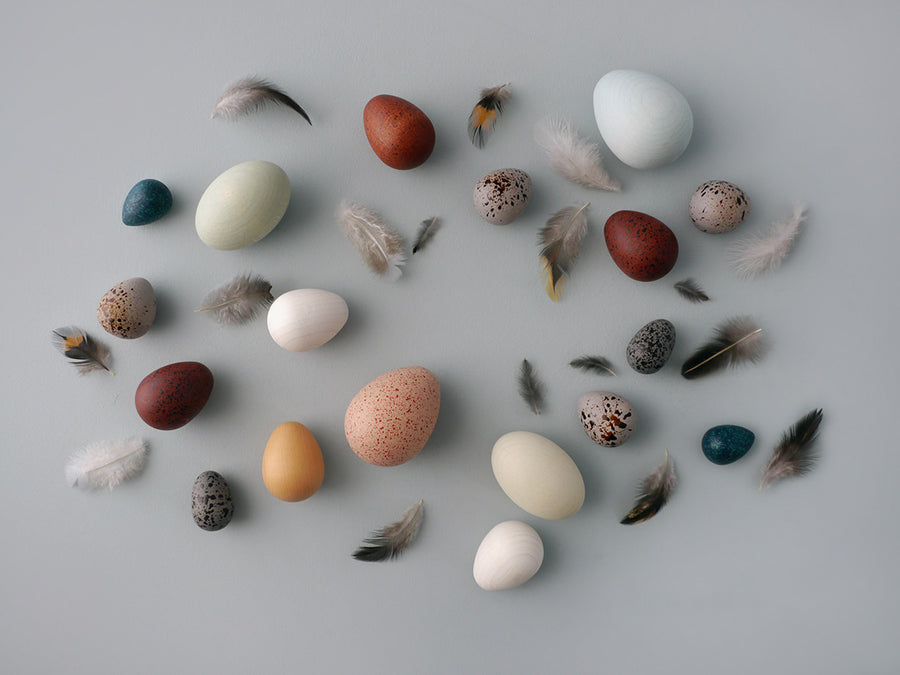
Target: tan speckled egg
501	196
718	206
127	310
389	421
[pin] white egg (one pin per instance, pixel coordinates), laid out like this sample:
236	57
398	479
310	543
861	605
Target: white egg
538	475
509	555
242	205
644	120
306	318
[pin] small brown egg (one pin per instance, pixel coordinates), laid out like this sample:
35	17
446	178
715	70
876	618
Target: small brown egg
127	310
292	465
400	134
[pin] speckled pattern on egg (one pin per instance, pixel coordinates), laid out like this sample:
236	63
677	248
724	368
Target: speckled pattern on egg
643	247
171	396
726	443
718	206
127	310
401	135
607	418
211	503
651	346
501	196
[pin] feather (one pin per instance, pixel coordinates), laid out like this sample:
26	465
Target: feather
427	230
390	541
249	95
239	300
105	464
485	113
736	341
561	240
762	253
81	350
794	454
577	159
380	246
690	290
593	364
530	387
653	493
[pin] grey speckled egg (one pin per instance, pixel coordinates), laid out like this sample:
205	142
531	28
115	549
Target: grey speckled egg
127	310
718	206
211	501
606	417
502	195
651	346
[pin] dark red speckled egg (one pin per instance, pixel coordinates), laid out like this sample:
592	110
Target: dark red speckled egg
400	134
170	397
642	246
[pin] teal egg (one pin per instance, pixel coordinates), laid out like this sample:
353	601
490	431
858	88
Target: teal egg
148	201
726	443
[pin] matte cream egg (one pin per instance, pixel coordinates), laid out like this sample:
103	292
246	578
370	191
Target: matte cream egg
306	318
509	555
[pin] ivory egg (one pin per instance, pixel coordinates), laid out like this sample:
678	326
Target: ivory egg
292	465
242	205
644	120
509	555
306	318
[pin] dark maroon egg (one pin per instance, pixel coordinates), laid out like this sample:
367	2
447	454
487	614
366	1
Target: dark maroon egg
642	246
170	397
400	134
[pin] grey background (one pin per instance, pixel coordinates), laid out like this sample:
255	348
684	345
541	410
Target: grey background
792	101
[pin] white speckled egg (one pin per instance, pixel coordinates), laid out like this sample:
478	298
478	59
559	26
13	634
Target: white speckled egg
306	318
501	196
718	206
509	555
127	310
242	205
606	417
644	120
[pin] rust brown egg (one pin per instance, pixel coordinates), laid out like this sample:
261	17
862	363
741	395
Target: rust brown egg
642	246
171	396
400	134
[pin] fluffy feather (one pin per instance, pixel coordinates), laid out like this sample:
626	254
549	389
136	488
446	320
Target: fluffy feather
380	246
561	239
392	540
249	95
81	350
105	464
653	493
531	388
690	290
427	230
485	113
593	364
761	253
239	300
794	454
577	159
736	341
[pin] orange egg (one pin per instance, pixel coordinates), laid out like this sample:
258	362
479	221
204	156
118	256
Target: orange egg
400	134
292	464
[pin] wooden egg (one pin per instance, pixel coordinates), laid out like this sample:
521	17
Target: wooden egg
400	134
306	318
292	465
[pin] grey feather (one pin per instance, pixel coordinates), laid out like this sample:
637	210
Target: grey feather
765	252
249	95
390	541
653	493
794	454
239	300
593	364
690	290
380	246
575	158
531	388
81	349
738	340
560	240
427	229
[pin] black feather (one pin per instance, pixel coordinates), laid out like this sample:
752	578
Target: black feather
593	364
794	454
427	230
736	341
653	494
390	541
688	289
530	388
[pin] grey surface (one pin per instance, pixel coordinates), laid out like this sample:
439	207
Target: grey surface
792	101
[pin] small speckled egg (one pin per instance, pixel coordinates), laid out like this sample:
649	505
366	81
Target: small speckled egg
148	201
501	196
292	465
643	247
171	396
607	418
400	134
127	310
651	346
726	443
718	206
389	421
211	502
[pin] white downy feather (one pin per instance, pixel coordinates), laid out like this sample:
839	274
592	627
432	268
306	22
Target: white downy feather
105	464
762	253
379	245
577	159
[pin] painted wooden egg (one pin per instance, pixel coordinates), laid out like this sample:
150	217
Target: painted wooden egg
607	418
726	443
718	206
640	245
292	465
127	310
171	396
401	135
306	318
148	201
509	555
211	503
502	195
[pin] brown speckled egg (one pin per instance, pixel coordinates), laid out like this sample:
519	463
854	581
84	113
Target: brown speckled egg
607	418
127	310
718	206
400	134
502	195
389	421
642	246
170	397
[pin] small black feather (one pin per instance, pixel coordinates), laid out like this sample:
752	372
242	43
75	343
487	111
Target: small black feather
593	364
736	341
688	289
427	230
794	454
530	388
390	541
653	494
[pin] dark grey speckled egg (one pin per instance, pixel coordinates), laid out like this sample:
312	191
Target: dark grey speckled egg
607	418
718	206
651	346
501	196
211	501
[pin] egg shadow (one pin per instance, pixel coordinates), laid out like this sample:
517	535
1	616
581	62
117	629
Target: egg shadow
445	145
179	206
304	201
355	326
594	481
450	417
551	562
335	452
241	504
165	312
221	399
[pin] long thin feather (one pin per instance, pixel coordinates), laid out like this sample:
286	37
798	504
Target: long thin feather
531	389
561	239
762	253
390	541
81	350
105	464
593	364
380	246
575	158
653	493
249	95
738	340
486	112
794	455
427	229
690	290
239	300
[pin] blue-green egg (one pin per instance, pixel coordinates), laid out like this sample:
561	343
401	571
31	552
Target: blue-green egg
148	201
726	443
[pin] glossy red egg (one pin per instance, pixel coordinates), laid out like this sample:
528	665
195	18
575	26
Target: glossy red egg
400	134
170	397
642	246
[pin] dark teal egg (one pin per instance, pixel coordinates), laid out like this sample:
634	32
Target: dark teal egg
146	202
726	443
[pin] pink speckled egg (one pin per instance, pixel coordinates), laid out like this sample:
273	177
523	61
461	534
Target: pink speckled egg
389	421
